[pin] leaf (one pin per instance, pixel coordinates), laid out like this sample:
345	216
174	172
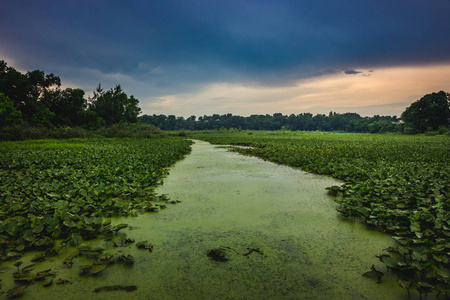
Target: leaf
28	268
17	290
415	227
69	223
143	244
389	261
374	274
38	229
119	227
38	257
97	269
401	240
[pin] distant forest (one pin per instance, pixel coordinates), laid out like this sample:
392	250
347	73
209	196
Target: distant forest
350	122
429	114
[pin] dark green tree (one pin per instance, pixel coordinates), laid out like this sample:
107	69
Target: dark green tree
13	84
27	90
428	113
69	106
114	106
9	115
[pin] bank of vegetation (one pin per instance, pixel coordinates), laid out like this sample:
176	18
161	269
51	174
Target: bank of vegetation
394	183
53	190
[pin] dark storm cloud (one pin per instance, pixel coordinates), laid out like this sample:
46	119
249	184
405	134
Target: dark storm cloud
352	72
181	44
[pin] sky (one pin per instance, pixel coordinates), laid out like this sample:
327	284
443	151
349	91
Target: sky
242	57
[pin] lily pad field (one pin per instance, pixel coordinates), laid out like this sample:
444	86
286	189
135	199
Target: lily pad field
57	193
394	184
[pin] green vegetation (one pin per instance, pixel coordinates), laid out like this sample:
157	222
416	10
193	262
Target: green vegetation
350	122
36	99
62	189
396	184
121	130
430	113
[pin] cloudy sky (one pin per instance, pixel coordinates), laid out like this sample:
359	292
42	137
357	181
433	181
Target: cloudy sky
243	57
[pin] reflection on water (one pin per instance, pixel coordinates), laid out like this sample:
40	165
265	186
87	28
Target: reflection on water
238	203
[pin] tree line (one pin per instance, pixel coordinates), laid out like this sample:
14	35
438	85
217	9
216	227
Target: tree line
429	114
350	122
36	99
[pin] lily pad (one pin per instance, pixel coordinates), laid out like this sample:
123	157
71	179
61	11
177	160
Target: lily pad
119	227
28	268
48	282
374	274
16	291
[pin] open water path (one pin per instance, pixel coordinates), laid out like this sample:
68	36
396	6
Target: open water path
240	202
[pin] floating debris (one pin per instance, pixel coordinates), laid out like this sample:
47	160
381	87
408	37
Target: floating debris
145	245
63	281
142	244
217	254
110	288
250	251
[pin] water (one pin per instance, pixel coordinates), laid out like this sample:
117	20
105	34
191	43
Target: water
239	203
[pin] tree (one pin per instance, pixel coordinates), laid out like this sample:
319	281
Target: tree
69	106
114	106
27	90
9	115
428	113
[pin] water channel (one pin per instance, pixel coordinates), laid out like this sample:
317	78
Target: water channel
239	203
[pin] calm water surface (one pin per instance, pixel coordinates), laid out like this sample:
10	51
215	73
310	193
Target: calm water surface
239	203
